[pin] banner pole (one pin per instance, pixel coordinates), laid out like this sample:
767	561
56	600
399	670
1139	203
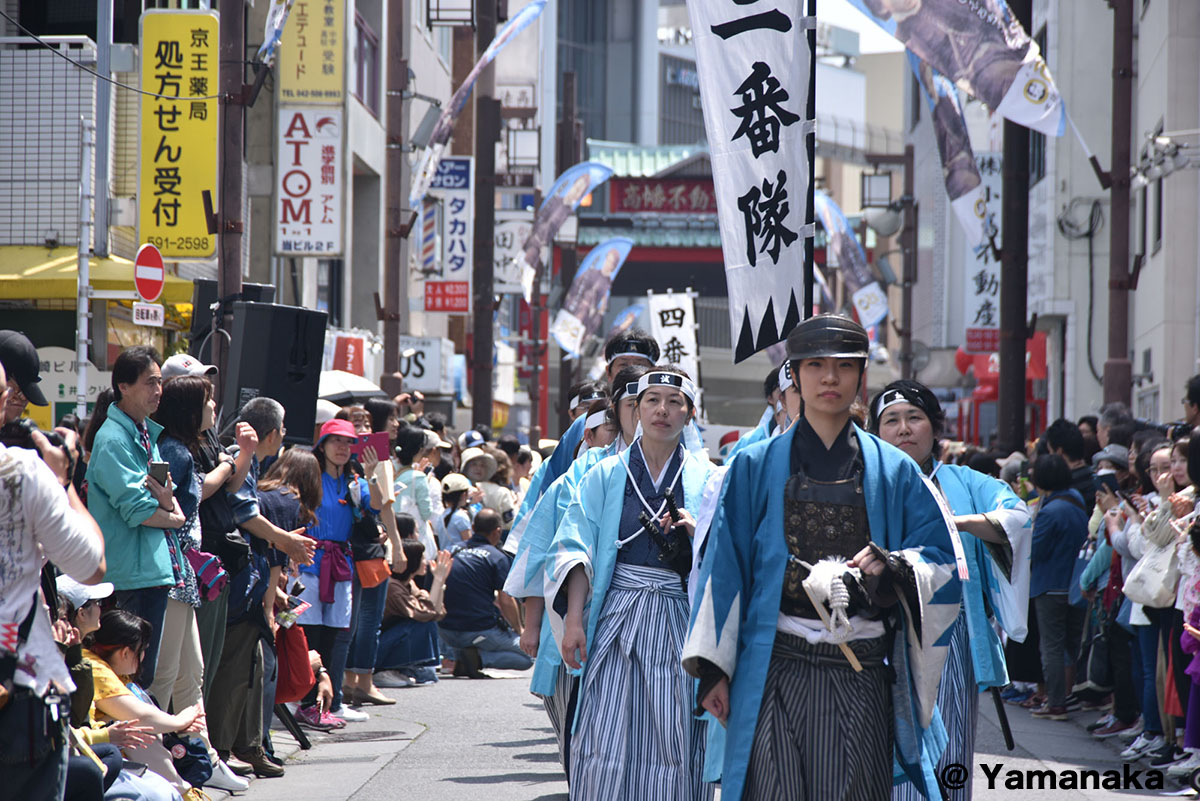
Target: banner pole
811	145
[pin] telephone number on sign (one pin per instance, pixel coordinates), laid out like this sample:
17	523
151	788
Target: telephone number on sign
194	243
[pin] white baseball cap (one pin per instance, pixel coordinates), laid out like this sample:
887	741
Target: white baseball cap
183	364
79	594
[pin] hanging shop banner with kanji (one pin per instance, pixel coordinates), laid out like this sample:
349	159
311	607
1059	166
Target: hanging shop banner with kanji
981	46
587	300
981	282
513	228
312	53
961	176
564	197
445	281
673	324
427	167
755	65
870	301
179	133
308	182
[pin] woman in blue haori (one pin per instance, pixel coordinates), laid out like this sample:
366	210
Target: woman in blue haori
609	429
617	602
827	592
997	535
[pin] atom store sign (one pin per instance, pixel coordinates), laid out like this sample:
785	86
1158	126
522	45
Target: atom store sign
309	178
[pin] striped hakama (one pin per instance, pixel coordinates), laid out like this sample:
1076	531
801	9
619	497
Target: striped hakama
824	731
636	738
558	708
958	704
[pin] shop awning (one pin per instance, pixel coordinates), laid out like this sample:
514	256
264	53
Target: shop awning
33	273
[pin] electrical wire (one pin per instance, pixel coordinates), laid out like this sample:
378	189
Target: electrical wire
91	71
1075	231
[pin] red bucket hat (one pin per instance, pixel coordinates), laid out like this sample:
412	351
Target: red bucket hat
336	428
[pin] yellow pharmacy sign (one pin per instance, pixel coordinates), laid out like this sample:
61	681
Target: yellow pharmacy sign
312	53
179	131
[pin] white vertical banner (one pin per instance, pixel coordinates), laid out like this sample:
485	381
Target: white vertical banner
512	231
673	325
447	283
755	65
981	281
308	182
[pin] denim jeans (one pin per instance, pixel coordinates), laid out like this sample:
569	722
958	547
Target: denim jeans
365	644
150	604
1147	656
498	648
1060	626
408	643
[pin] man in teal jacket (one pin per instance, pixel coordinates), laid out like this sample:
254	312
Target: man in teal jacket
132	508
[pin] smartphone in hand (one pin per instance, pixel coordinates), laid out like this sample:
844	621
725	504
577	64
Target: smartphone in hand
158	471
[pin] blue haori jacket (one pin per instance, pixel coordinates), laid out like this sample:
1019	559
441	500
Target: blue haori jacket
550	469
736	610
589	532
526	578
969	492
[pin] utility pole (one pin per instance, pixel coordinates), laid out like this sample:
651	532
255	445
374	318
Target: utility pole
487	133
1014	272
232	80
396	180
104	33
568	156
1118	370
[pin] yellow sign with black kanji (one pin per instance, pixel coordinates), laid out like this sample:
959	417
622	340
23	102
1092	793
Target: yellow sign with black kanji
179	132
312	53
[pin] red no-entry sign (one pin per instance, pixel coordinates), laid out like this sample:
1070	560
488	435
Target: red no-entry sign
148	273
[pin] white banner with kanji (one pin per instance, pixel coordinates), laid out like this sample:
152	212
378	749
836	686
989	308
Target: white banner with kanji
673	324
754	63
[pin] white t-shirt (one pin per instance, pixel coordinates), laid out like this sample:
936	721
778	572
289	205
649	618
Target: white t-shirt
37	524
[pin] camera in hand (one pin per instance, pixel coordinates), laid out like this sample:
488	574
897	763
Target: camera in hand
19	434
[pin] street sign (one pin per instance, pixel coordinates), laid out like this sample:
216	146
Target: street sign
149	314
149	276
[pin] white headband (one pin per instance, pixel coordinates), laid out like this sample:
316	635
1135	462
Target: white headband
889	398
596	419
673	380
785	377
631	353
588	398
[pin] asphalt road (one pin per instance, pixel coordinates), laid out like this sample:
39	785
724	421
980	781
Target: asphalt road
464	740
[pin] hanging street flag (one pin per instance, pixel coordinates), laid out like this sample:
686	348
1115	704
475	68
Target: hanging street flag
426	168
626	320
673	326
756	70
963	184
981	46
968	196
587	300
561	201
277	16
870	301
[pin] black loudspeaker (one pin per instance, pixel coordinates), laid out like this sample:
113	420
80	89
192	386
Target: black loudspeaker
204	295
276	352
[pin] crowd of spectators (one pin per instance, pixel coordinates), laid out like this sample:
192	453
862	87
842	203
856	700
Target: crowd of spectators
200	579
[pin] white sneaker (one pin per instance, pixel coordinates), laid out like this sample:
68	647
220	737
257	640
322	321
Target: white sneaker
351	715
1132	733
225	779
391	679
1188	765
1142	745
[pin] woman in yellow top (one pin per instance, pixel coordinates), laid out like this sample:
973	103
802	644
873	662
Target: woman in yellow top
115	651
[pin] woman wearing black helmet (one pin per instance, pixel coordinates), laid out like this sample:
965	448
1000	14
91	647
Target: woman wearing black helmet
827	582
997	540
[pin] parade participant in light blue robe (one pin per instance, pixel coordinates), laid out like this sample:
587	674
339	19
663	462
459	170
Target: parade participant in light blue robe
617	603
634	347
824	668
532	539
996	534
